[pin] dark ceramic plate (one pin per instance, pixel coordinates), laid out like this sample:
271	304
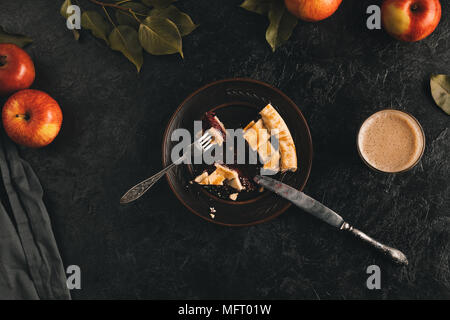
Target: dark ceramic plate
236	102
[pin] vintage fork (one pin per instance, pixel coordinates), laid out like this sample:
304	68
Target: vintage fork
203	143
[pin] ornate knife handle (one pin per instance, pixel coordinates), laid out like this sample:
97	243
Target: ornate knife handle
396	255
142	187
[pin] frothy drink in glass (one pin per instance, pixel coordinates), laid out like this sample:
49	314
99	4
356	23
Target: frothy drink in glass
391	141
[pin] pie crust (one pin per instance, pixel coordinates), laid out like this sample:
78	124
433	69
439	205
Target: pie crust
219	176
216	135
257	135
275	123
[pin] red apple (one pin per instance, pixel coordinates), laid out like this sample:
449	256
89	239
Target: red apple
312	10
31	118
410	20
16	69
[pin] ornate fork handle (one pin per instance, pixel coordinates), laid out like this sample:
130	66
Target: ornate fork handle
142	187
396	255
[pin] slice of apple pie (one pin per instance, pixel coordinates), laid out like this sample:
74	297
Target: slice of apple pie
257	134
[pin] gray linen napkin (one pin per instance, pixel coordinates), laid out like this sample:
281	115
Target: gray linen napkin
30	264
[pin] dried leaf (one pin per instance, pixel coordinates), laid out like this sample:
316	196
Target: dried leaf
63	11
17	39
126	18
440	90
158	3
182	20
76	34
92	20
257	6
159	36
125	39
64	7
282	23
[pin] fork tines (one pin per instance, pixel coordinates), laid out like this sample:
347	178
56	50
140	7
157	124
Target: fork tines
205	141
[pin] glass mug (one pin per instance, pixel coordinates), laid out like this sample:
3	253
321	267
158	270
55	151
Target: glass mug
391	141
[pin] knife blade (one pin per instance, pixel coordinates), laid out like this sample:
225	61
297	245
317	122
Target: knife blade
327	215
301	200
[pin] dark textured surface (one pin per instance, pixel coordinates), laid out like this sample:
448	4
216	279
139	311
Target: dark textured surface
337	71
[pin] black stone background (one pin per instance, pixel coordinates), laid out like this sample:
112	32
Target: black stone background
337	71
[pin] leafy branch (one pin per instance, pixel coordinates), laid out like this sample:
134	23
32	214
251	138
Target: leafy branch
156	26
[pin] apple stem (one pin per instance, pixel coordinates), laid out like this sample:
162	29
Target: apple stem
414	7
2	61
23	116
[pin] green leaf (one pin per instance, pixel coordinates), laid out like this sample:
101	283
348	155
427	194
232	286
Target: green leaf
282	23
125	39
440	90
257	6
182	20
17	39
159	36
126	18
92	20
158	3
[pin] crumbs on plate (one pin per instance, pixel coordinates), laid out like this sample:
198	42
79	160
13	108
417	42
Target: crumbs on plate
234	196
212	210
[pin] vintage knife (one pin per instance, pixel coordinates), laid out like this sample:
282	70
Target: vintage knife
324	213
